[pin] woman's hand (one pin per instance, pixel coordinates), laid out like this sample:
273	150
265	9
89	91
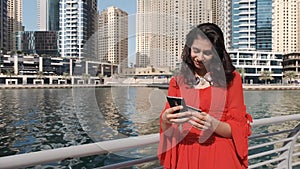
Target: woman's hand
169	117
204	121
201	120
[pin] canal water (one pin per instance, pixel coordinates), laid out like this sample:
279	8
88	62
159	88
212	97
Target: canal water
41	119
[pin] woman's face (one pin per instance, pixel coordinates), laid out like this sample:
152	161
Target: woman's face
201	52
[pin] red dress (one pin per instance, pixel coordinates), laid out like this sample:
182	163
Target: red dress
185	147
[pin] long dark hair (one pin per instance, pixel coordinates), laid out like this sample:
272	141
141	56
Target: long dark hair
221	67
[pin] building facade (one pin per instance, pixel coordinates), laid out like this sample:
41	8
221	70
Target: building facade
286	26
74	30
161	27
253	63
291	62
113	37
243	24
264	25
14	22
3	25
38	42
48	15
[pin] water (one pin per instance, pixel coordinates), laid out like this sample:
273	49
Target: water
41	119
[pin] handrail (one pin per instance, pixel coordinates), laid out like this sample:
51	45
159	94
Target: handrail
45	156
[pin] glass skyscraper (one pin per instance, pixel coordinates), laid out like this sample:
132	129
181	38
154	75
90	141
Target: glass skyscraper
48	15
3	24
264	25
252	25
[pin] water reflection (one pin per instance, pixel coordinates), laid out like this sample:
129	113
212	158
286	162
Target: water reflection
40	119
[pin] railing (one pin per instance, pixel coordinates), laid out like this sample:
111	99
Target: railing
273	149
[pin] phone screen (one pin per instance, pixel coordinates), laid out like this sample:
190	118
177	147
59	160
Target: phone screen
177	101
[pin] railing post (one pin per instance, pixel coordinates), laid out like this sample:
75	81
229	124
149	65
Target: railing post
291	144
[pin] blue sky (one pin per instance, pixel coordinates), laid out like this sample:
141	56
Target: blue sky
30	10
129	6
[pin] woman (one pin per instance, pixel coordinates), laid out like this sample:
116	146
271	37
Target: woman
217	137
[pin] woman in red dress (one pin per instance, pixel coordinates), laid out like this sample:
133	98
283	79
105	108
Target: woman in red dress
217	137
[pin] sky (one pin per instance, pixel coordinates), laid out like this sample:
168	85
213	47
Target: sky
129	6
30	10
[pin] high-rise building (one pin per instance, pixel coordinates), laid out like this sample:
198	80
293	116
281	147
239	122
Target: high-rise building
264	25
243	24
113	36
75	19
38	42
3	25
48	15
225	21
162	26
14	22
286	26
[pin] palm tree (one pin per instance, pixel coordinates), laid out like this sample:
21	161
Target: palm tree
242	73
66	76
100	76
289	75
135	77
265	76
85	77
9	73
40	75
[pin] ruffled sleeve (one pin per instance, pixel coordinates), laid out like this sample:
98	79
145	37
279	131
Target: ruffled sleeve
167	149
238	119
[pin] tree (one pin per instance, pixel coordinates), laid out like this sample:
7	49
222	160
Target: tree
40	75
289	75
265	76
242	73
85	77
100	76
135	77
66	76
9	74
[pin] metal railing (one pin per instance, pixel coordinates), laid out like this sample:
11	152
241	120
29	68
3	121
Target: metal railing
273	149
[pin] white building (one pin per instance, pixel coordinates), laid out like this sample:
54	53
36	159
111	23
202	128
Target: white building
76	25
113	36
252	63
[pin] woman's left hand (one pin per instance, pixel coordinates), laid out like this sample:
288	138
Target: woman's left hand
201	120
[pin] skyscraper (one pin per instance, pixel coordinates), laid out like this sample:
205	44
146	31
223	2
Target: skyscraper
3	25
76	18
264	25
286	26
113	36
14	22
243	24
48	15
251	25
162	26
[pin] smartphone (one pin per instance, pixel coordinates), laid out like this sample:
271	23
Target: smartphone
177	101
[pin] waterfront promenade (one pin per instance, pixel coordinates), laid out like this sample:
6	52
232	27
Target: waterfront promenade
144	84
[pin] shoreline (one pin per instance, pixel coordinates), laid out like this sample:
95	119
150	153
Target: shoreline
160	86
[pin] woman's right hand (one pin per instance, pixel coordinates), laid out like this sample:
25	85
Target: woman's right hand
169	117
